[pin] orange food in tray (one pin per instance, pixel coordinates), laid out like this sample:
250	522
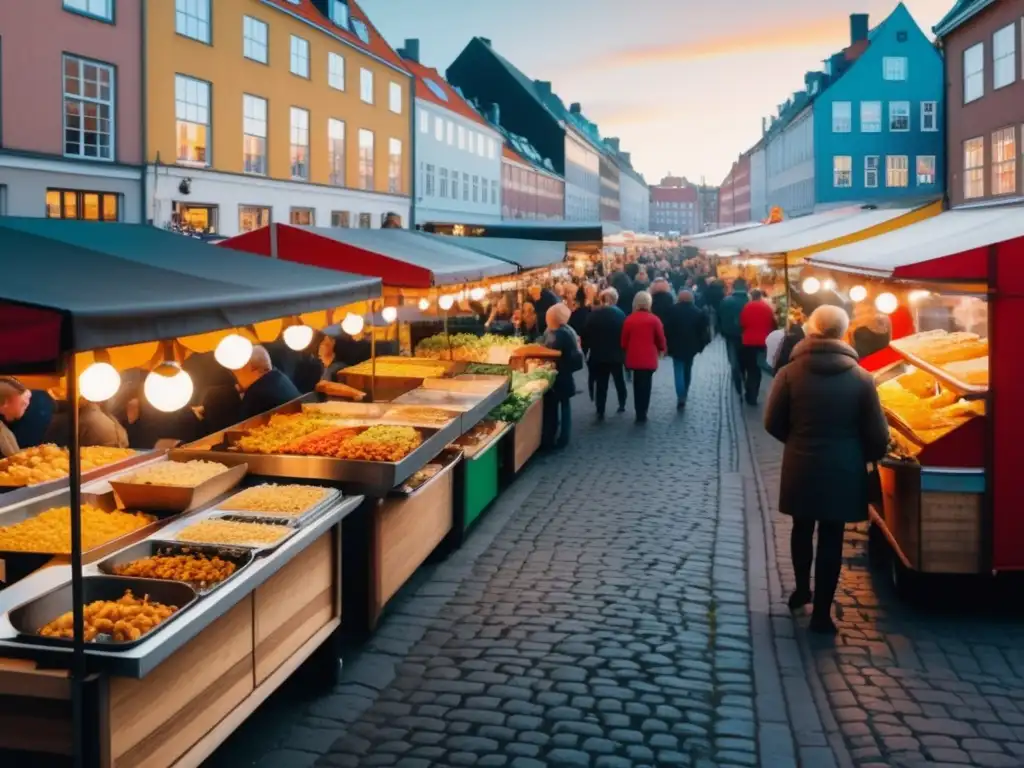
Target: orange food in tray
323	442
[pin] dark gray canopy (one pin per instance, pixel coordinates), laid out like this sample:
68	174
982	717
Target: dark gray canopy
525	254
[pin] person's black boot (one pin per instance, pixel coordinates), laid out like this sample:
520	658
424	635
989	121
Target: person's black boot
799	599
822	624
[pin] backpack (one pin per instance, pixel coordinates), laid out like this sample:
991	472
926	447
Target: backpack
575	357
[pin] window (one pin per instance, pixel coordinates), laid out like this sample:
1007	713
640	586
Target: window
896	171
1004	56
462	137
302	217
894	67
974	73
300	143
365	159
339	13
394	165
395	98
442	182
192	19
252	217
480	144
86	206
336	151
299	57
925	170
455	185
428	180
195	218
494	191
465	186
341	219
254	135
438	128
424	121
871	171
870	116
974	168
254	39
1004	161
449	129
841	118
365	221
336	71
3	199
842	171
366	86
192	113
101	9
899	116
88	109
929	116
476	188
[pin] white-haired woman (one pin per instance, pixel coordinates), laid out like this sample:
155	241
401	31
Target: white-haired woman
557	423
825	409
602	338
643	339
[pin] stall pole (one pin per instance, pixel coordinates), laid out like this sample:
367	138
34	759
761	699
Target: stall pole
373	353
785	277
989	500
273	240
78	605
447	336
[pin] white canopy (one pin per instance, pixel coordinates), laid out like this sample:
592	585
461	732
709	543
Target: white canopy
699	239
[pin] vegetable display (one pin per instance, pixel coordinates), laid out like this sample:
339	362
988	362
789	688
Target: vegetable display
488	369
512	408
488	348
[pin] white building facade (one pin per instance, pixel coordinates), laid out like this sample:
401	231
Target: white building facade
634	202
758	184
790	166
582	179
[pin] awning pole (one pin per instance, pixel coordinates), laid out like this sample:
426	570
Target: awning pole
373	353
273	240
785	273
77	597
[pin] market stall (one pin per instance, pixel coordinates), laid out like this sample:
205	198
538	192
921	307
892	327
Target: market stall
175	597
951	499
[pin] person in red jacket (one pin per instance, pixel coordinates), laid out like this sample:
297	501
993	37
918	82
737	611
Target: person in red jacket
757	320
643	339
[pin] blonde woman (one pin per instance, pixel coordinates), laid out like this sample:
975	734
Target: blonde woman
557	417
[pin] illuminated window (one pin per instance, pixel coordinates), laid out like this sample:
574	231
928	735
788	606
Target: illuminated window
299	61
88	109
192	19
336	71
1004	56
299	134
896	171
254	39
870	116
366	174
192	115
1004	161
341	219
974	73
101	9
252	217
302	217
395	165
842	171
336	151
254	135
925	170
974	168
85	206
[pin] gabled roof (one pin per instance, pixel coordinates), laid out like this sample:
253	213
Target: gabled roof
961	12
432	87
377	46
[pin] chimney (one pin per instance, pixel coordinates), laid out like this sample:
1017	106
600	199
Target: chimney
543	88
575	108
626	157
494	114
858	27
764	125
411	50
613	143
836	64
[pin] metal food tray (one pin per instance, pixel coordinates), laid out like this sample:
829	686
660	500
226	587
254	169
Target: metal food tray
900	425
240	556
329	498
257	548
968	391
32	616
473	408
13	494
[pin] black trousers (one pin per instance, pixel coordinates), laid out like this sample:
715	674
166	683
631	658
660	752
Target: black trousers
733	349
749	365
602	373
642	381
828	561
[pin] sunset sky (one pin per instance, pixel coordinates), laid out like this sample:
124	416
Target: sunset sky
683	83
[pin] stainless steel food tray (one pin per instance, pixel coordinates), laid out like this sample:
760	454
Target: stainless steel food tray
968	391
330	497
473	408
257	548
240	556
13	494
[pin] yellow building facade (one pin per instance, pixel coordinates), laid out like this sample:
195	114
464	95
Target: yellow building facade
256	111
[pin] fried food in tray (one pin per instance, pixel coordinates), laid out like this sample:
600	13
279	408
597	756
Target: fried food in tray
282	429
381	443
420	414
124	620
277	500
197	569
180	474
972	372
225	530
50	532
422	369
919	382
940	347
43	463
324	442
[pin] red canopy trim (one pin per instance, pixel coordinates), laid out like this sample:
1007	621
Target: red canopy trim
29	336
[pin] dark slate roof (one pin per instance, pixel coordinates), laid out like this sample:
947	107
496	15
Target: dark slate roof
961	12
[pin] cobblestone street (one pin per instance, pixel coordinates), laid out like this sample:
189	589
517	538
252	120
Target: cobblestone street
619	607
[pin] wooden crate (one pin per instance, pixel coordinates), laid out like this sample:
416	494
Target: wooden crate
528	433
950	532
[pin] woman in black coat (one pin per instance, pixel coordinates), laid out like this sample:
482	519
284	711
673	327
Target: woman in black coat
824	407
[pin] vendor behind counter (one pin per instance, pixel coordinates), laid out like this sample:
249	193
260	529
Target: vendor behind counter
25	414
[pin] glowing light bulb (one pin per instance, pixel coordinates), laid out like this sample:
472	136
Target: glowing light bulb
477	294
297	337
811	285
352	324
233	351
168	388
390	314
858	293
886	302
424	305
829	285
99	382
446	302
919	295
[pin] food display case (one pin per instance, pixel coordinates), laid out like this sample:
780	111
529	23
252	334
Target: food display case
481	470
390	376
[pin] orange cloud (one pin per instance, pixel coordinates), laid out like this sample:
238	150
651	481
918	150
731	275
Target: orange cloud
822	32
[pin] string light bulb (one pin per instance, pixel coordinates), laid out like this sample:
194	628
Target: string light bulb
168	388
446	303
858	293
233	352
389	314
477	294
352	324
99	382
829	284
886	303
919	295
424	305
298	337
811	285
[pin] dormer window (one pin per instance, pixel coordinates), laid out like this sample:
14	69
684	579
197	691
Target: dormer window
359	27
339	13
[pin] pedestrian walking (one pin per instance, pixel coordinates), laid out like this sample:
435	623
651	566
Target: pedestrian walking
729	326
825	409
557	415
793	337
643	339
687	332
661	299
757	320
602	339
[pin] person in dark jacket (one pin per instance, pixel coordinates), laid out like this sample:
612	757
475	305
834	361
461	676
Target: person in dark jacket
263	386
625	289
687	332
713	294
825	408
602	339
581	310
661	299
542	299
731	330
27	413
557	417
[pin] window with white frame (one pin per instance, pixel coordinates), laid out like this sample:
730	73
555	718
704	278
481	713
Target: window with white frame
299	134
428	180
442	182
302	217
336	71
897	173
929	116
455	184
192	19
252	217
366	86
465	187
1004	56
494	191
341	219
476	188
395	165
365	221
899	116
842	171
462	137
254	39
192	120
366	170
100	9
871	171
395	97
449	131
299	62
492	149
88	109
894	67
254	135
925	170
974	73
871	116
974	168
438	127
336	151
841	117
480	145
424	121
339	13
1004	161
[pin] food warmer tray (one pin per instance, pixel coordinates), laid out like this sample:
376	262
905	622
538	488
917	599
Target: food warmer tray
967	391
473	408
13	494
139	661
330	497
171	532
28	618
241	557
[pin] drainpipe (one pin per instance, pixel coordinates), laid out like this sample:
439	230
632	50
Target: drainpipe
412	153
143	115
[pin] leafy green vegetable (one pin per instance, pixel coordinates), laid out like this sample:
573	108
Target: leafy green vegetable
519	380
488	369
511	409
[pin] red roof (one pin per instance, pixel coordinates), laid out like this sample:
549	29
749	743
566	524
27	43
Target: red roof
454	102
687	194
510	154
377	45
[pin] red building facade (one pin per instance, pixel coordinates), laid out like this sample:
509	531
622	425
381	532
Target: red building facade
734	194
675	207
528	192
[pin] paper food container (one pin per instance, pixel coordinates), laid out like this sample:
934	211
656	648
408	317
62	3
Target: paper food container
174	498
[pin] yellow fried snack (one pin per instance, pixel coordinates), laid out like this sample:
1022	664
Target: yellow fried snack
421	370
196	569
281	430
124	620
43	463
50	531
422	414
184	474
276	499
381	443
233	532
